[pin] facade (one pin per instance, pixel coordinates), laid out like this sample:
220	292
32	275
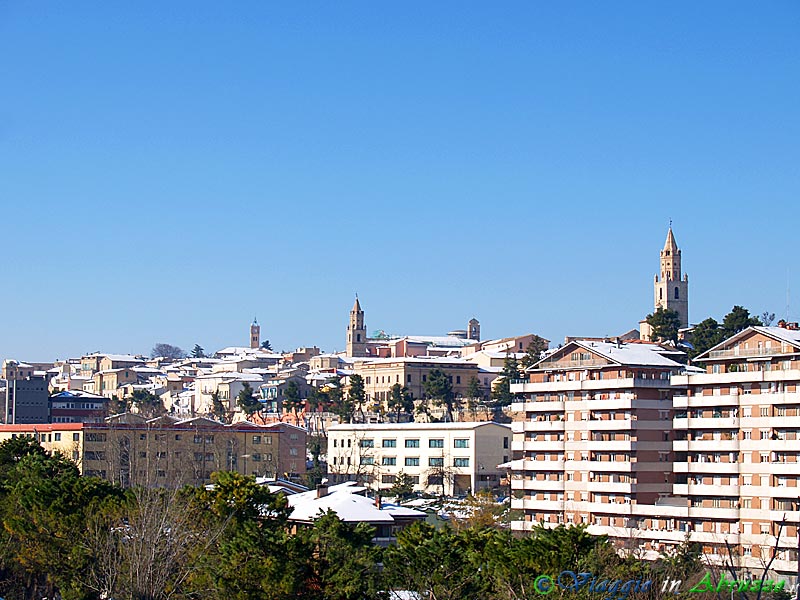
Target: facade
412	372
166	452
78	407
26	400
441	458
592	441
737	448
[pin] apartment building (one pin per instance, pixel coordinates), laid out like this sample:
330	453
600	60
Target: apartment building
168	452
737	448
441	458
592	439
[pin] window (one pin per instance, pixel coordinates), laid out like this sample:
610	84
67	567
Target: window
460	443
95	437
198	439
390	443
412	462
460	462
388	478
292	451
412	443
177	437
436	443
257	457
57	437
505	442
367	443
256	439
367	460
388	461
436	462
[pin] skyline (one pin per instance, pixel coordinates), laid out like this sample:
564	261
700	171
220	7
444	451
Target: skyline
169	172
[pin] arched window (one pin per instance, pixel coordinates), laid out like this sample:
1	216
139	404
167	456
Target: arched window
660	293
677	294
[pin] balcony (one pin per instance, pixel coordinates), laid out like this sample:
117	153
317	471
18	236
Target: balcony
613	487
744	352
691	489
705	423
705	445
538	485
544	426
611	446
706	467
538	446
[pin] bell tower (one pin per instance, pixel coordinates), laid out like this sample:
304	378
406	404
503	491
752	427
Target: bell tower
474	330
672	290
255	334
356	332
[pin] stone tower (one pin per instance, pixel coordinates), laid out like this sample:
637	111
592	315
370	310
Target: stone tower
255	334
474	330
356	332
672	291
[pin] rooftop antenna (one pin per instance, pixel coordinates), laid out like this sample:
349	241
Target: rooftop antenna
670	223
787	294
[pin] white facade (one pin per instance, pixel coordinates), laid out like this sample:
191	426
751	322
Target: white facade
446	458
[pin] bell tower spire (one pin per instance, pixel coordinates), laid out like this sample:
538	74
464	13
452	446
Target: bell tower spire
356	332
672	289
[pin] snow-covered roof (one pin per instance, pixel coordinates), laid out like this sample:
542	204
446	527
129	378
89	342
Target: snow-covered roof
77	394
121	357
447	341
444	360
348	505
633	354
458	426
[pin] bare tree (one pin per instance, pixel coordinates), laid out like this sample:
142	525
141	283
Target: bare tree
168	351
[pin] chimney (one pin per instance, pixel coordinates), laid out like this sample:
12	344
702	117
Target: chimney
782	324
618	342
322	490
793	326
378	501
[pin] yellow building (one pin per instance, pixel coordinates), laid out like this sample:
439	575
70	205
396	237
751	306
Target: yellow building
166	452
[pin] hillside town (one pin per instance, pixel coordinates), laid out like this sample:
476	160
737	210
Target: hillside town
668	433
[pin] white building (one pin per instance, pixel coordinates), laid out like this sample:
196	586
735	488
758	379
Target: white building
446	458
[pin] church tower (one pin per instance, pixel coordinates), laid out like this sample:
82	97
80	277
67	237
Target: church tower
474	330
672	291
356	332
255	334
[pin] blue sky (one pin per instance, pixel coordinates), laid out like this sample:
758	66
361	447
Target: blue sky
168	170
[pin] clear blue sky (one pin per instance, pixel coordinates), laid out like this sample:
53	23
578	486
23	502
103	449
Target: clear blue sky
170	169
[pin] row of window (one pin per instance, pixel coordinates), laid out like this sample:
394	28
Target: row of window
409	443
391	461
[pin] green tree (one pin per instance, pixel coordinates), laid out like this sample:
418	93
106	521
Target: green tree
403	487
247	401
44	508
356	396
198	352
706	334
533	352
292	400
665	324
218	409
501	394
400	401
439	388
474	394
738	320
250	549
338	560
147	404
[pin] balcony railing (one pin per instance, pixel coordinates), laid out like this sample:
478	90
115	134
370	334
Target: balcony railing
734	352
571	364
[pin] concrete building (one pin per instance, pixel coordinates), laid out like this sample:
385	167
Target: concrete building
592	438
167	452
78	407
737	448
25	396
441	458
412	372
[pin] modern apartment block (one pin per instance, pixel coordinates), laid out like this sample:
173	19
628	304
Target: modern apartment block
737	448
167	452
592	439
441	458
